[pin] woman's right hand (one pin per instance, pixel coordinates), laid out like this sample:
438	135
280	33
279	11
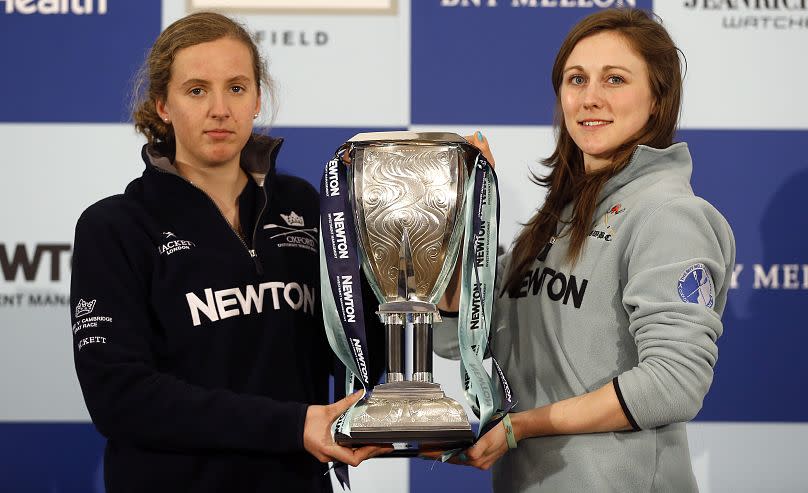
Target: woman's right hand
317	439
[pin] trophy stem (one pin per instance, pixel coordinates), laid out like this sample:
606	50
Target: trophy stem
394	342
422	352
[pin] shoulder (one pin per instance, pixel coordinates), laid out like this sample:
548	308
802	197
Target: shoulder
681	229
109	210
297	193
117	214
294	185
659	192
681	211
659	176
666	195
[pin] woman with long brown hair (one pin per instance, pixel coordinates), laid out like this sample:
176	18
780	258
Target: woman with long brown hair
198	337
611	300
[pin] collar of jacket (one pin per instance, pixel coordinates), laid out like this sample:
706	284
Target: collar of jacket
257	157
647	164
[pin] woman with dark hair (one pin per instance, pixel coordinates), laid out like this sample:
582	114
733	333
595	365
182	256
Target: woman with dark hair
611	301
198	338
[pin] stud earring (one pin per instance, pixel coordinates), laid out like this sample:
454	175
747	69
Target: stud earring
255	116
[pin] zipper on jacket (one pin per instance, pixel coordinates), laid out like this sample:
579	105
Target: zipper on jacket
542	256
257	261
253	254
258	267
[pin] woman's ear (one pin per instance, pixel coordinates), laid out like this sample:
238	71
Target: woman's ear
162	110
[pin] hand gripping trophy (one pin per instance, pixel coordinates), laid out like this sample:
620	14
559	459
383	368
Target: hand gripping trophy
403	209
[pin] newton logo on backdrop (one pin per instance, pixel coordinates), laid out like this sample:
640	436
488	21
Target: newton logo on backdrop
42	267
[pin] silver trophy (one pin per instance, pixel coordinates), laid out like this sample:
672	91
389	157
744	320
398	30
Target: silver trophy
407	193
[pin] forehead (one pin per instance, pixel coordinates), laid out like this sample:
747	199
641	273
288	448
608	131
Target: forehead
605	48
225	57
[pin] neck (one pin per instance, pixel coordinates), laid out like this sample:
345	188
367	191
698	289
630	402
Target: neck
223	184
592	163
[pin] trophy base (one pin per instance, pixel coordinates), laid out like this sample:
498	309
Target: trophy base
410	417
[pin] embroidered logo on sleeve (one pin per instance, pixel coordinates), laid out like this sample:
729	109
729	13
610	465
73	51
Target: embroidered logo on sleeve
91	340
696	286
84	308
83	322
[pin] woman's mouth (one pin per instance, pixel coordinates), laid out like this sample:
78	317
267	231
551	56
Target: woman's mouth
218	133
594	123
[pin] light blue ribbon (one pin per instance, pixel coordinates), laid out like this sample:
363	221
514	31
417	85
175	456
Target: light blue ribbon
479	264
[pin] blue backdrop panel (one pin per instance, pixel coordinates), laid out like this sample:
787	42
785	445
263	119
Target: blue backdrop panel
758	180
51	458
487	64
306	149
428	476
74	68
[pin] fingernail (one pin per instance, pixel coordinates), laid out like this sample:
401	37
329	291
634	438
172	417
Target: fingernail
463	457
479	136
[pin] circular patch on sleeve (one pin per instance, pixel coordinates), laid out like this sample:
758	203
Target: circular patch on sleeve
696	286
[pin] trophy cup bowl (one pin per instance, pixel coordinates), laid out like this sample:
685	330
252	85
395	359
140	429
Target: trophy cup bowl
407	193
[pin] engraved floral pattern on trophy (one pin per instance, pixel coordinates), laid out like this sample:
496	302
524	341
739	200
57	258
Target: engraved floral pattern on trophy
412	187
403	412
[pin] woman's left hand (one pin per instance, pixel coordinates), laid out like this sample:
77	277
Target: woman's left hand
483	454
488	449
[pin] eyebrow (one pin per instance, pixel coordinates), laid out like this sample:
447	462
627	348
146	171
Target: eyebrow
606	68
194	82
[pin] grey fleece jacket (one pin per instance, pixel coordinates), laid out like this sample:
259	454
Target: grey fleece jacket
640	309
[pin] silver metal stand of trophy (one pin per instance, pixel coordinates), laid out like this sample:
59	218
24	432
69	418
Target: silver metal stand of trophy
407	192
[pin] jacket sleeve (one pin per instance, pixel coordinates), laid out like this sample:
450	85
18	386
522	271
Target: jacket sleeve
678	270
444	336
114	337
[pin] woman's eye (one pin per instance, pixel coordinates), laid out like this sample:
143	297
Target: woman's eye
577	80
615	79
